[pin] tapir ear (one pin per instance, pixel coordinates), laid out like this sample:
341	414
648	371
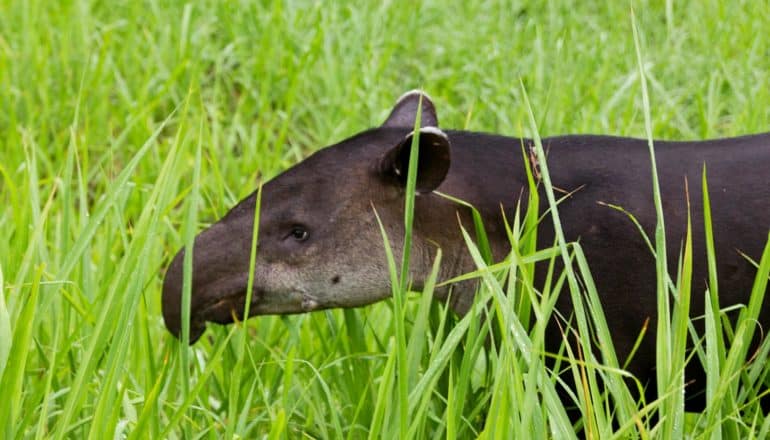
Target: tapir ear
433	160
404	112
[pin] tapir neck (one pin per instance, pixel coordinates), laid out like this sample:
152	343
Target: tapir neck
487	172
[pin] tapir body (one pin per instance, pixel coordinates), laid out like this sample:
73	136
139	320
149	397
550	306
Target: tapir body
320	245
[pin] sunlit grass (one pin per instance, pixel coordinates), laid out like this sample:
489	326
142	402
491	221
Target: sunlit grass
126	128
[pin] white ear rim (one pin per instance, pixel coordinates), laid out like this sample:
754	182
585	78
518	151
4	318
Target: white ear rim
412	93
432	130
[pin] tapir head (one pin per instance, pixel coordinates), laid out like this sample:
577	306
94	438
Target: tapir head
320	245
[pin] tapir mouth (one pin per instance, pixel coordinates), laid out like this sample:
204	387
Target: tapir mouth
221	300
222	309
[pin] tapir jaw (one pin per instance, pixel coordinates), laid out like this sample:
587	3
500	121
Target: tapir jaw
228	308
225	310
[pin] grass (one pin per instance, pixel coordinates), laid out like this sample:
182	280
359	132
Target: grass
127	127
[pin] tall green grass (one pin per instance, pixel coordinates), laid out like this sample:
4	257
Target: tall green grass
127	127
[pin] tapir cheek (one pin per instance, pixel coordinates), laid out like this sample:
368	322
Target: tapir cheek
278	276
288	253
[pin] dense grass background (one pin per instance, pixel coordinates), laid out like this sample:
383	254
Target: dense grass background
104	108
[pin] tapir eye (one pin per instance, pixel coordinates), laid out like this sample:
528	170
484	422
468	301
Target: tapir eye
298	233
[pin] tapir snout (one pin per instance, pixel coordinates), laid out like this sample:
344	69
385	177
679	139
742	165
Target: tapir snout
218	283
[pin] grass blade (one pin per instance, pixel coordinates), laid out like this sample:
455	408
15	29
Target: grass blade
5	328
11	381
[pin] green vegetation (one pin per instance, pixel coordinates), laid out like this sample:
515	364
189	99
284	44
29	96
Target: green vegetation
125	127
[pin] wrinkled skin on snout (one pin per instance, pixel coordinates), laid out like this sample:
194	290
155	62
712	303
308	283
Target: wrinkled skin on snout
320	245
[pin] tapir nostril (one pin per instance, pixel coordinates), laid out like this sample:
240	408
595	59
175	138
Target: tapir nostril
171	301
172	295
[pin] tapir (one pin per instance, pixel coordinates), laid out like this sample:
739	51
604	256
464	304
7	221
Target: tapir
320	245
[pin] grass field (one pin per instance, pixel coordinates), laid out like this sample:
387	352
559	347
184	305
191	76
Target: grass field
126	126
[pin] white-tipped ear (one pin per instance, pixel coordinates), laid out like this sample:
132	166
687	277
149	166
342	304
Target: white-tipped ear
433	160
404	113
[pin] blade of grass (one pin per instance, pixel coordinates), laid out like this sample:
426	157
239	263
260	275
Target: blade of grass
203	378
12	379
399	295
151	400
514	333
598	419
384	398
5	327
101	328
139	252
190	229
416	343
667	374
715	344
235	384
482	240
681	318
745	327
42	423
